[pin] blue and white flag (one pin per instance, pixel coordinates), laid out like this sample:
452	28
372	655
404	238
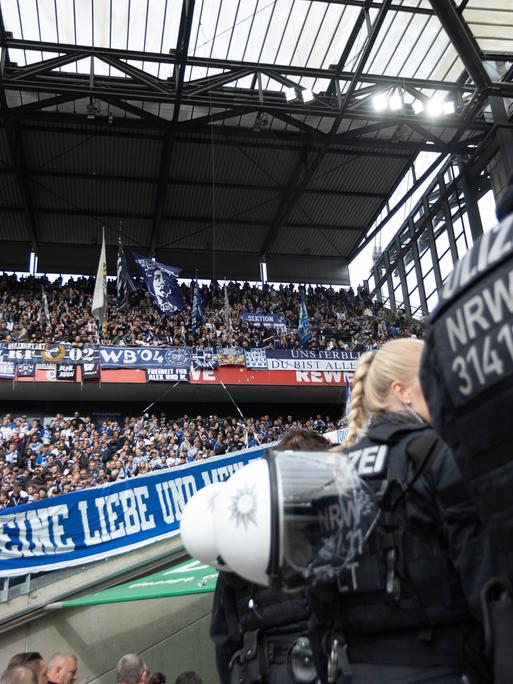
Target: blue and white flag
124	283
349	391
197	310
162	283
304	330
99	305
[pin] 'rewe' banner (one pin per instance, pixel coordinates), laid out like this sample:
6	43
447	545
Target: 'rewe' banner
101	522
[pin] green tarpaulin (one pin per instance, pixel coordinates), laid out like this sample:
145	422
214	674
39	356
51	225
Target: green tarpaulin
191	577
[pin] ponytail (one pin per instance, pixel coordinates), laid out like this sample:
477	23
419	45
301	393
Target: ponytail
357	412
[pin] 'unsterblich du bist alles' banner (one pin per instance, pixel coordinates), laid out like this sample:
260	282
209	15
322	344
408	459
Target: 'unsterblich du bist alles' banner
101	522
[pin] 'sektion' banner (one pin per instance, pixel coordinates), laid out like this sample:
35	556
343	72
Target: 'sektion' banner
97	523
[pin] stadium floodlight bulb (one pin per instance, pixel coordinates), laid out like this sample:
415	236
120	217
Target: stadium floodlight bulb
434	108
449	108
308	95
380	102
418	106
290	94
395	102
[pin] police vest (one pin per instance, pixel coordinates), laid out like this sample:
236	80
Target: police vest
404	577
260	608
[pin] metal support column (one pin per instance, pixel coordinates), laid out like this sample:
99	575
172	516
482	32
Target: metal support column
418	268
432	248
390	282
402	277
377	281
469	193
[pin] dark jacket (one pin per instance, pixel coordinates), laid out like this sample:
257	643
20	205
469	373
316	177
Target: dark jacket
443	559
241	607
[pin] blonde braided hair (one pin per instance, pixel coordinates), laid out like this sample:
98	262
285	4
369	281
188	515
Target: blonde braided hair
375	372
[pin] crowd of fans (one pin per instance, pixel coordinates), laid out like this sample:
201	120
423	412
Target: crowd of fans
339	319
30	667
71	453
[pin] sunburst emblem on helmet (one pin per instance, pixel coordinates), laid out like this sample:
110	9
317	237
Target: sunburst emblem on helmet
211	502
244	506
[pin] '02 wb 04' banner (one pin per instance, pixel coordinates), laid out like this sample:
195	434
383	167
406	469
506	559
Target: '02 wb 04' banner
97	523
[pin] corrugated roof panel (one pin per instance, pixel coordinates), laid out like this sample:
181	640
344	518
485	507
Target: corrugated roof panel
86	230
363	174
92	154
335	211
196	201
204	236
10	193
93	195
233	163
13	226
313	242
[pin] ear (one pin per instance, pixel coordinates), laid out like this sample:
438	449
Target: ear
399	391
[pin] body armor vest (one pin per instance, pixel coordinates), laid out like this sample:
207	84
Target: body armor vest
403	577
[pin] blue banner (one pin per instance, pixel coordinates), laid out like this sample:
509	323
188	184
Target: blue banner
105	521
45	353
162	284
145	357
269	320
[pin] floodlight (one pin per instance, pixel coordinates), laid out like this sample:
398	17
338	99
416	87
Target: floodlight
380	102
290	94
308	95
418	106
434	108
395	102
449	107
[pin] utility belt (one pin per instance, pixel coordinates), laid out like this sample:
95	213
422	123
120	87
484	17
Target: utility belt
252	664
455	645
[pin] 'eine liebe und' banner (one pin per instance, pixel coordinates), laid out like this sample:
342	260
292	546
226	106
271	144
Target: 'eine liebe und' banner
101	522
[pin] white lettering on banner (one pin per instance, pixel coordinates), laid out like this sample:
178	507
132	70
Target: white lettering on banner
119	514
328	377
221	474
205	375
311	365
182	488
26	533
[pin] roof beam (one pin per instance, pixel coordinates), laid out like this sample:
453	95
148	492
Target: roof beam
182	49
227	64
44	66
304	172
463	41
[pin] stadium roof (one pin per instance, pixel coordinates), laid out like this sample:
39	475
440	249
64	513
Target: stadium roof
222	132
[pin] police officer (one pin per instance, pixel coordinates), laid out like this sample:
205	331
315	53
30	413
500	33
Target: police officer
260	635
408	609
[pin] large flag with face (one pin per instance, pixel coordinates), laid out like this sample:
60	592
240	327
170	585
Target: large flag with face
99	307
304	330
197	310
162	283
124	283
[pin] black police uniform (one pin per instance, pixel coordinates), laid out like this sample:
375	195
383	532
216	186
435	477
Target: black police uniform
408	609
260	635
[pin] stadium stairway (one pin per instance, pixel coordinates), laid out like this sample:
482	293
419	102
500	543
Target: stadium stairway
171	634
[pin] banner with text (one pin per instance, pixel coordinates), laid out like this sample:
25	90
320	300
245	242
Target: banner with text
311	360
268	320
43	353
145	357
101	522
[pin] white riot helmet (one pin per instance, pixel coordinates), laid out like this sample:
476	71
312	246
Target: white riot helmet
197	526
293	518
242	522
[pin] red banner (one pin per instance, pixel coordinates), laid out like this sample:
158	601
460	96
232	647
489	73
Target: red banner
230	375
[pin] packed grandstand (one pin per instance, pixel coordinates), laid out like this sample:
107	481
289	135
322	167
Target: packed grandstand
340	319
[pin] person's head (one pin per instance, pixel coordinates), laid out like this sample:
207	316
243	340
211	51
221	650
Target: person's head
303	440
188	678
131	669
386	381
157	678
62	668
34	661
19	674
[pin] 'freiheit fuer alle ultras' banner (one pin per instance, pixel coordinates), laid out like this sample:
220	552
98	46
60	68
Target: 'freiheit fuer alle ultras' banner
97	523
